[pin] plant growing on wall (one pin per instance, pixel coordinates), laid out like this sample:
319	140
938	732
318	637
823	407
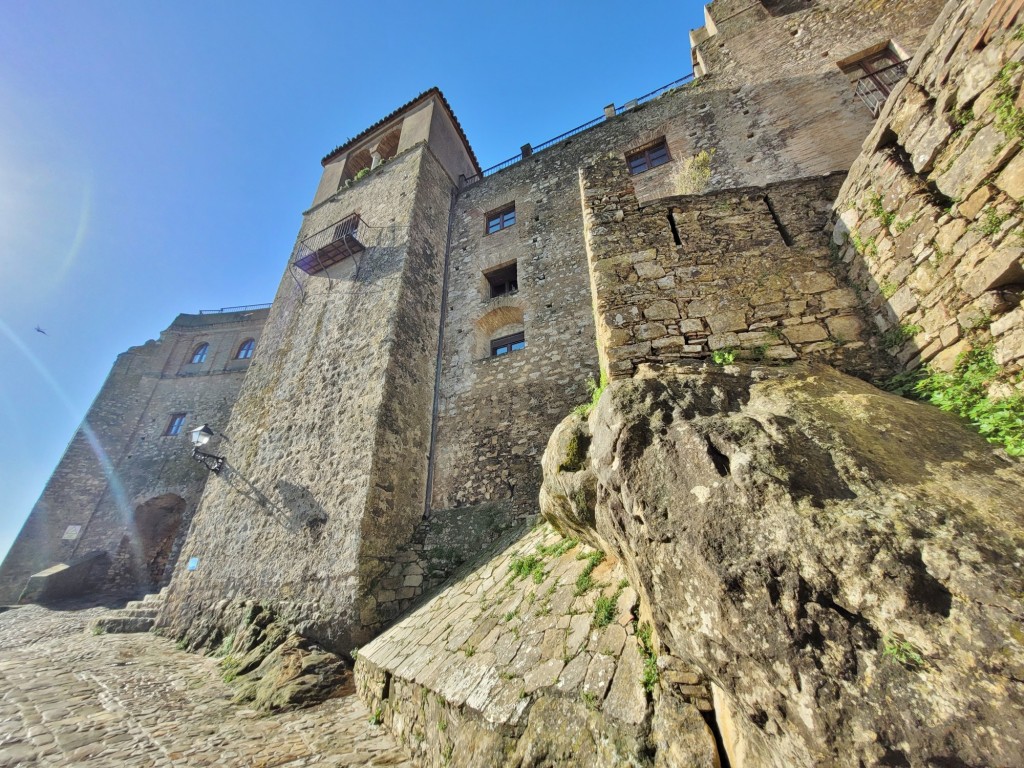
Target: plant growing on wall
694	173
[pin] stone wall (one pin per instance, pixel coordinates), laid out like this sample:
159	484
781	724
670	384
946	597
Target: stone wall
928	222
744	272
120	459
766	125
330	434
535	649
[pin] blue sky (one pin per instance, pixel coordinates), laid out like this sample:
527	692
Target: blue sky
155	158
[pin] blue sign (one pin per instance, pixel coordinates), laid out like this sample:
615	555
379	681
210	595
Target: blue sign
193	563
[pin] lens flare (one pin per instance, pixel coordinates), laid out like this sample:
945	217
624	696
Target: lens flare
113	480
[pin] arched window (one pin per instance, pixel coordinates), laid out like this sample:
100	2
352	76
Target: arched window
199	356
245	350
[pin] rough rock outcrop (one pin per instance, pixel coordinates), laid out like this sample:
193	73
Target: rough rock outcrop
843	564
267	661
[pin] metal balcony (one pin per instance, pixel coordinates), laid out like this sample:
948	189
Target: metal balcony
875	88
329	246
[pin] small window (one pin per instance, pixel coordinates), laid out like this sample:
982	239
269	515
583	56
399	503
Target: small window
507	344
199	355
648	157
502	219
175	424
245	351
504	280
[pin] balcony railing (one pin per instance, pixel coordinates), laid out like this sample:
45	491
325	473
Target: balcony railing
875	88
329	246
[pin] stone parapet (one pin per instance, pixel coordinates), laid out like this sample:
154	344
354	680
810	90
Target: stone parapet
742	273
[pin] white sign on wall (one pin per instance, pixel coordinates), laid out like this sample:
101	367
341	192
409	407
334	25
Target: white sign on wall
71	532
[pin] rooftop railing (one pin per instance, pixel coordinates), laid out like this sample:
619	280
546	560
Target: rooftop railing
529	150
242	308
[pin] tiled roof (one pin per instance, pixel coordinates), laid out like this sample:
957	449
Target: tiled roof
398	113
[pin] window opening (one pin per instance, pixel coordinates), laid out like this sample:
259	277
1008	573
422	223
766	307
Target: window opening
175	424
876	74
502	219
503	281
506	344
199	356
648	157
245	350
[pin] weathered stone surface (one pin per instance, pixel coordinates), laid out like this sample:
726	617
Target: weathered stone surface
840	561
513	659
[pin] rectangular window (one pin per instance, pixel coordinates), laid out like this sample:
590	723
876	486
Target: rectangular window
648	157
507	344
875	72
175	424
501	219
503	280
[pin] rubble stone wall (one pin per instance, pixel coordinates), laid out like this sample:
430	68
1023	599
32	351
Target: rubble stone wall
744	272
929	219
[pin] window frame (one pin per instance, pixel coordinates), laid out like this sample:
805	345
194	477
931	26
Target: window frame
513	342
199	354
506	287
500	216
645	153
174	424
248	346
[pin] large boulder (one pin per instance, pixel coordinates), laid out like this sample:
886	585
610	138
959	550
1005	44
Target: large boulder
843	564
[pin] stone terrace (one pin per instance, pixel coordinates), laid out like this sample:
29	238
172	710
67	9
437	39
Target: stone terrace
461	679
68	697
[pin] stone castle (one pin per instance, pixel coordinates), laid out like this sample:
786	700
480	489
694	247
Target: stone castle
837	184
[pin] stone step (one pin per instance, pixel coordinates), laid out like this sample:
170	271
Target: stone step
138	613
122	624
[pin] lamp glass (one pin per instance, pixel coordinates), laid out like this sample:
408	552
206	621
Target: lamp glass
201	435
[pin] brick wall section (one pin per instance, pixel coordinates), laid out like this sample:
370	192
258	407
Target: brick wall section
928	221
330	434
126	421
751	272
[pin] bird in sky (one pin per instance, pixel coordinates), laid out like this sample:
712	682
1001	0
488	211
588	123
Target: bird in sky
40	330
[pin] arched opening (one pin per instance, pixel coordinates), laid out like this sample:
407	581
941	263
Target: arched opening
501	324
155	525
199	353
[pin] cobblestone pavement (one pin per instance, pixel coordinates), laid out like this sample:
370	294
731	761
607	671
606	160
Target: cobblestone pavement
70	698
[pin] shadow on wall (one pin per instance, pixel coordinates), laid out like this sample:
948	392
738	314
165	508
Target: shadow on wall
297	508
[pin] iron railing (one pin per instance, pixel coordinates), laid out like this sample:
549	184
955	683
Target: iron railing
242	308
578	129
654	94
874	88
329	246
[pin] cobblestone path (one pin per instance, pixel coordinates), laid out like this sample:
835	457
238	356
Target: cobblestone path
69	698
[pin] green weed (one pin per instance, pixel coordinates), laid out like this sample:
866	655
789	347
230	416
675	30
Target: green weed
900	334
878	209
889	289
724	356
1009	119
902	651
992	221
585	581
596	389
964	391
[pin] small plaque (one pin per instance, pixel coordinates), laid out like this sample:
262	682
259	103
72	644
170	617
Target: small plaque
71	532
193	563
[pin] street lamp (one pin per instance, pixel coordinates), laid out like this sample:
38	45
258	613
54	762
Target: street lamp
200	436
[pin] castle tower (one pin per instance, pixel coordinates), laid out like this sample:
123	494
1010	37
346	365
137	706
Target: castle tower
329	439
